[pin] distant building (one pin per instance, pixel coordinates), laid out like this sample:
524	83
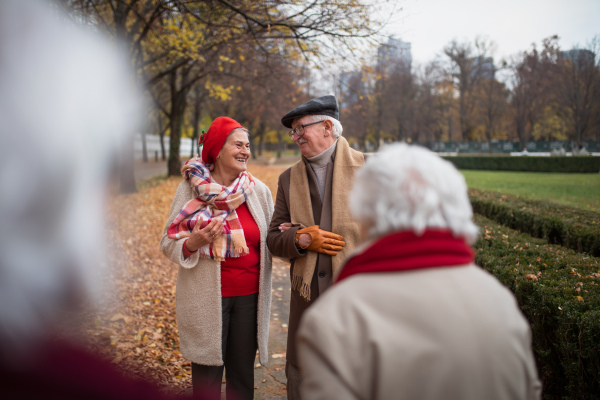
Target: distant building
484	67
580	56
394	54
352	87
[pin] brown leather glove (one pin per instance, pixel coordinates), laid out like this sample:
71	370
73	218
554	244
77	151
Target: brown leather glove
322	241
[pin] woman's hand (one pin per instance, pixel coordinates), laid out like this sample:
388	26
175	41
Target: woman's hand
202	237
284	226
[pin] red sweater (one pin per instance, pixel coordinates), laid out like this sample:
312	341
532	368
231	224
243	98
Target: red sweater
240	276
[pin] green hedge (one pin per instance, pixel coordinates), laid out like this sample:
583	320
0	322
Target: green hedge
532	164
558	291
568	226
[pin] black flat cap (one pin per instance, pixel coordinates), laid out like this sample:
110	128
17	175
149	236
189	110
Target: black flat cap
324	105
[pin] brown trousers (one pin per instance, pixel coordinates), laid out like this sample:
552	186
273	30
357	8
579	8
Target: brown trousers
294	379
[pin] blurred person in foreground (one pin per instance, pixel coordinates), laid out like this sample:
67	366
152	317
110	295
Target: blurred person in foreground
312	225
216	234
66	102
410	315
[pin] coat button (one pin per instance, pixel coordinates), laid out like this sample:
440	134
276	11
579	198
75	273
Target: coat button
322	274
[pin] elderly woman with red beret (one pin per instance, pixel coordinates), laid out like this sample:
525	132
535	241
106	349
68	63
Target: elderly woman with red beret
216	233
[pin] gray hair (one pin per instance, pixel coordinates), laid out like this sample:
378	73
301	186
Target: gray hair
406	187
67	103
337	125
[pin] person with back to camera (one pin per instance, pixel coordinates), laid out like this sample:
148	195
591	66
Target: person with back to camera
312	225
67	103
410	315
216	233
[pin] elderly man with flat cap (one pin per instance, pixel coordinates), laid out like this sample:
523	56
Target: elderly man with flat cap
312	225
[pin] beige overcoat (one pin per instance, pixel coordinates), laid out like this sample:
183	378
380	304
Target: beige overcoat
439	333
199	284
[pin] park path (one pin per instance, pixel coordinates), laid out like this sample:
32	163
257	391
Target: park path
146	170
270	381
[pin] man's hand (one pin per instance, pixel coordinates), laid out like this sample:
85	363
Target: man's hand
302	240
321	241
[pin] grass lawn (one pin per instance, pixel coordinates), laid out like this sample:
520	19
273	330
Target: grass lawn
576	190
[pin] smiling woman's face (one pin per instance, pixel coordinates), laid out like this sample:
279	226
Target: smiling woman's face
235	153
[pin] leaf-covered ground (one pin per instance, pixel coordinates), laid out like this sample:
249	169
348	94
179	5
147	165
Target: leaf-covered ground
135	327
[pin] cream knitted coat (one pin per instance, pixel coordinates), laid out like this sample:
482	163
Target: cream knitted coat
199	284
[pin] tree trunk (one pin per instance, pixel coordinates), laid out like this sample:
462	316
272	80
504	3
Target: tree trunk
521	134
163	153
196	122
174	164
127	175
144	147
261	135
196	118
161	136
279	144
379	117
488	134
178	105
489	126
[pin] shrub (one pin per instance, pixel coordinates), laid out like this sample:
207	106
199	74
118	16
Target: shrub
532	164
558	291
568	226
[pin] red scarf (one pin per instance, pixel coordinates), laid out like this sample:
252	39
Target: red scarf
405	251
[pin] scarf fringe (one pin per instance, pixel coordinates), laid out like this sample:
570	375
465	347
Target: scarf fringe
205	253
301	286
240	249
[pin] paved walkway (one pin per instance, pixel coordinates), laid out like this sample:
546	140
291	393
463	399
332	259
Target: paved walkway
145	170
270	381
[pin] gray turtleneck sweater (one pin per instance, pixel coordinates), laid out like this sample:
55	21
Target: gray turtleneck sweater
319	163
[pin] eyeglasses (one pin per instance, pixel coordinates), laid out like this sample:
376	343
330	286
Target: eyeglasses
299	130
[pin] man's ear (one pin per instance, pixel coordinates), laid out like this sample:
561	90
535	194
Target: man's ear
328	127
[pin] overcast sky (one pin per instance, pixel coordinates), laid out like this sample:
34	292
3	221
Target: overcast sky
513	24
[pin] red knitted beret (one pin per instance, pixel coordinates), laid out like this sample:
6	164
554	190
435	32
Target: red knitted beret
215	138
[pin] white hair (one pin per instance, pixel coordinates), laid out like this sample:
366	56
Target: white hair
406	187
337	125
67	102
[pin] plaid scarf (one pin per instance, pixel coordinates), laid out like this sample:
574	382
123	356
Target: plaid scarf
213	201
